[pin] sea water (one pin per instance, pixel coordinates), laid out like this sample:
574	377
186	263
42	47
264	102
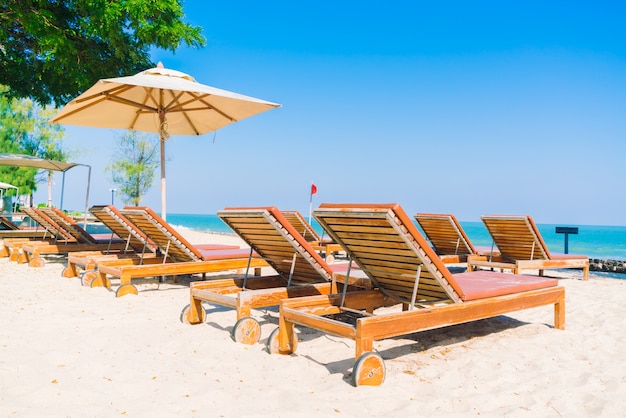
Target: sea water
604	242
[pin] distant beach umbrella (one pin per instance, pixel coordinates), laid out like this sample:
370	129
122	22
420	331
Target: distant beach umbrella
159	100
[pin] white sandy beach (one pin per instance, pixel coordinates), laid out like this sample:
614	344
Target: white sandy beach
71	351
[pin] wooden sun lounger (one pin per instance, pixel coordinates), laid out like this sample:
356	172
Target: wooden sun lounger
522	248
52	230
78	240
448	238
137	244
389	249
178	256
325	245
301	271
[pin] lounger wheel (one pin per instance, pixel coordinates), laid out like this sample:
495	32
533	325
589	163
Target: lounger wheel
184	316
126	289
92	279
87	277
36	262
369	370
330	257
272	343
246	331
100	282
68	273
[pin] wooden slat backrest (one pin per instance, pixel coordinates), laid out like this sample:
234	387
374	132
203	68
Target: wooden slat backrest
271	236
387	246
162	234
7	223
48	224
445	234
70	226
301	225
111	217
517	237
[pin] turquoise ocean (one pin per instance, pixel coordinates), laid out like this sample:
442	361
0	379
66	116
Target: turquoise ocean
603	242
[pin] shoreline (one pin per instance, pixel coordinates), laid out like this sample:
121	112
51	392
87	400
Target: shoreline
604	265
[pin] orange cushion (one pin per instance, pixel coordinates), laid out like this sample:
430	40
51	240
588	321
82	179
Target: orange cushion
484	284
558	256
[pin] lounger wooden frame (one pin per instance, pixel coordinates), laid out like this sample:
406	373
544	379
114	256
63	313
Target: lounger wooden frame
301	271
522	248
387	246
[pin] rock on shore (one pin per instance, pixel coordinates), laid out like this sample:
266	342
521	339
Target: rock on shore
613	266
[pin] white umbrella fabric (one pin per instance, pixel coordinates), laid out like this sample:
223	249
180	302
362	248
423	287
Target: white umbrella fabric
159	100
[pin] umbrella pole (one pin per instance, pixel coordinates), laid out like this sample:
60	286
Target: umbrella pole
162	141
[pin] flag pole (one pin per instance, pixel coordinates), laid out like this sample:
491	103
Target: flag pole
313	191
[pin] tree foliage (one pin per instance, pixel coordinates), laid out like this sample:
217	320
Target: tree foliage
133	166
52	50
24	130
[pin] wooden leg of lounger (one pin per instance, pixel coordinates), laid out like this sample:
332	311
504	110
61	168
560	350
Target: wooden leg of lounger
196	313
541	273
284	336
586	273
243	310
363	345
22	258
559	314
36	261
96	279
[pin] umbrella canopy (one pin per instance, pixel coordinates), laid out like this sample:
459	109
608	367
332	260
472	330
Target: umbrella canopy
7	186
159	100
22	160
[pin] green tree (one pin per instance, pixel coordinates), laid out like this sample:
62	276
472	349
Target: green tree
134	164
24	130
52	50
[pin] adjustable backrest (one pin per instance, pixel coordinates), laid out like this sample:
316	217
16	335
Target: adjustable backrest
113	219
301	225
517	237
6	223
387	246
69	225
445	234
171	243
48	224
269	233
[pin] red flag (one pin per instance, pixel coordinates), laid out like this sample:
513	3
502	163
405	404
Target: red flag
313	188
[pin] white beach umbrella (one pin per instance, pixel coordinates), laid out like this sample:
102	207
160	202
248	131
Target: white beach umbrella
159	100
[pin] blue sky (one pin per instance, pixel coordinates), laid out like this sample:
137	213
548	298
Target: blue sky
469	108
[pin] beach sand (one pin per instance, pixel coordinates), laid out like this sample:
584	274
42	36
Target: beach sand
68	350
